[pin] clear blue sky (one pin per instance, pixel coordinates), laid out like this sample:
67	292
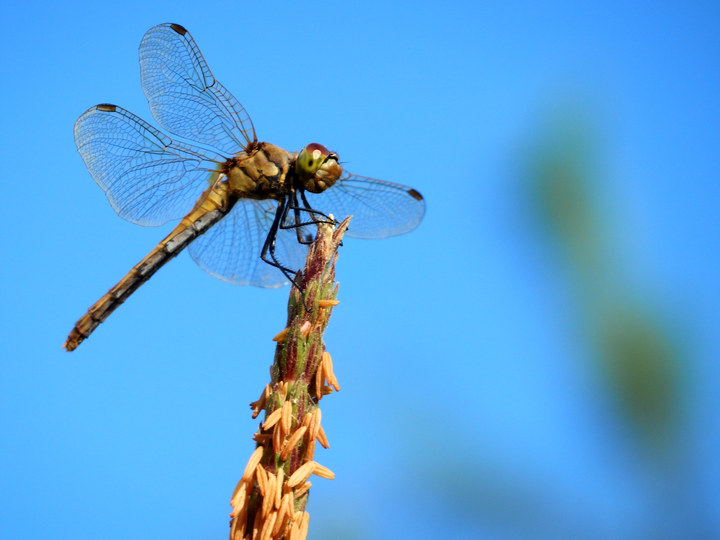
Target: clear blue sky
471	406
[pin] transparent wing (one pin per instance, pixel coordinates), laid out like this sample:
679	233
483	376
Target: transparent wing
231	249
184	96
148	178
379	209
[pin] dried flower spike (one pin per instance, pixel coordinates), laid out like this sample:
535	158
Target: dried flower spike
270	500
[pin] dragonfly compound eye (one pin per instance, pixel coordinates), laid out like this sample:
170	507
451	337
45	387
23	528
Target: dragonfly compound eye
317	167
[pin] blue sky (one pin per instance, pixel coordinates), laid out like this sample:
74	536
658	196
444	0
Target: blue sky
472	405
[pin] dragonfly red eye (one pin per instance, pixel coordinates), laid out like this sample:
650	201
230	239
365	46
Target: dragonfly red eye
316	150
310	159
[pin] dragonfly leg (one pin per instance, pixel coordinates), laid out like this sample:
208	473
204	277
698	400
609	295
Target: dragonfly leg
298	224
329	220
269	246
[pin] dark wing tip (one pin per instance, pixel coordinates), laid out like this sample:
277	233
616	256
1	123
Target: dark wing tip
178	28
415	194
107	107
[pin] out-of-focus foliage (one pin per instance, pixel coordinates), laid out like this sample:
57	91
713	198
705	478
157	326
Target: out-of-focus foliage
628	337
628	345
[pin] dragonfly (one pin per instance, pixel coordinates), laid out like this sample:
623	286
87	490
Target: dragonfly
245	207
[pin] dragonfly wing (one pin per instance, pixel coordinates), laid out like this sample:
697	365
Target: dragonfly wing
184	96
379	209
231	249
148	178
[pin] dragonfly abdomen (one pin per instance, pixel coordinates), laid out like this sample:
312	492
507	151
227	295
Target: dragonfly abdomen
215	203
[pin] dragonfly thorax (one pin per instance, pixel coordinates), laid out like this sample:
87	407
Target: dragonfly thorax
263	173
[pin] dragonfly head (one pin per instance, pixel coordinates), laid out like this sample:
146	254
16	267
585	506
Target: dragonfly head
317	168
